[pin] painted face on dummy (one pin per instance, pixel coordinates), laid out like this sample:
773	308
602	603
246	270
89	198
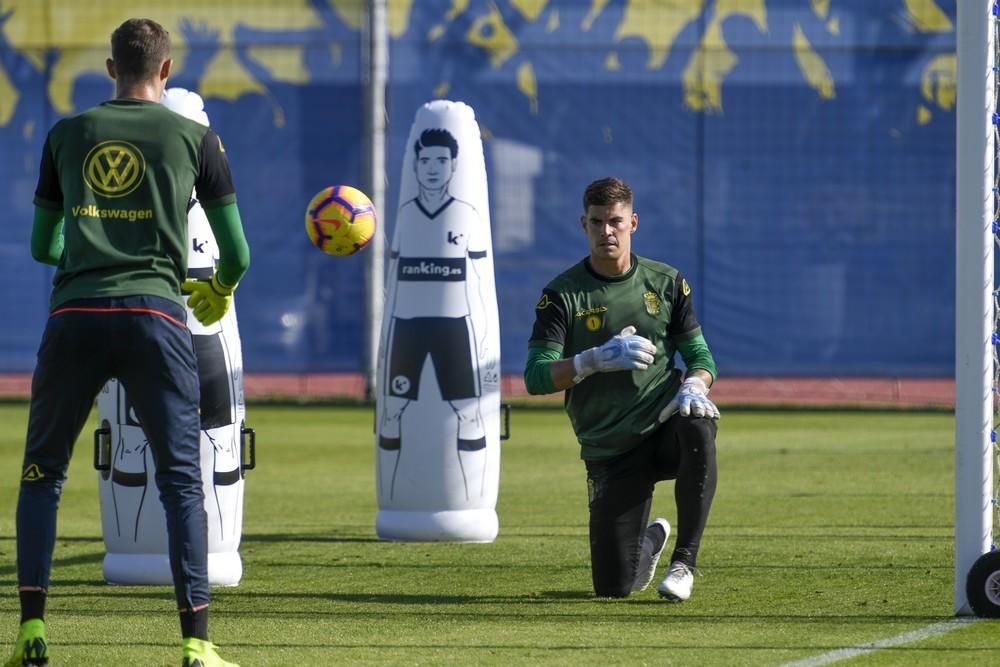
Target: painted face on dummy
434	167
609	232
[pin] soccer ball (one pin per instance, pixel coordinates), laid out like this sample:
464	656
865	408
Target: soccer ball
340	220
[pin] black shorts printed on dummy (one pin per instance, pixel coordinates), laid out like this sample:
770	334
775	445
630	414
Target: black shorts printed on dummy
447	341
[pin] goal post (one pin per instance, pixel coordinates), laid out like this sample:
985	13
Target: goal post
975	309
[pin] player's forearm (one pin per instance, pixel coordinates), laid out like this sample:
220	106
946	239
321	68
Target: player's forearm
234	253
697	357
46	236
562	373
538	377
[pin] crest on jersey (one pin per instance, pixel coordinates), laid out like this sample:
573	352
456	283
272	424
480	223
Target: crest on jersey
652	301
593	322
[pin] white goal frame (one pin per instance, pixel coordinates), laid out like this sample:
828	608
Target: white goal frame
975	309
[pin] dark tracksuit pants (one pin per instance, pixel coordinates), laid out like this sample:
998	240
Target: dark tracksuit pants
621	493
144	342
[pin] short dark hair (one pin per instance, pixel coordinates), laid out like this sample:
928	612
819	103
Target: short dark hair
605	191
139	47
436	138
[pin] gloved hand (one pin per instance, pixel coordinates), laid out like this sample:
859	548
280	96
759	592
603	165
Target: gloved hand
691	399
624	352
210	299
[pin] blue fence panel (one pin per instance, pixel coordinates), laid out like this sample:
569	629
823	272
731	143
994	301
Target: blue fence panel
795	160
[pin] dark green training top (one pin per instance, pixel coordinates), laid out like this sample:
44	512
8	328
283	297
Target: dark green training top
122	173
611	412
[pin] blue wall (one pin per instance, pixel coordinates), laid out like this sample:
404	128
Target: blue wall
797	166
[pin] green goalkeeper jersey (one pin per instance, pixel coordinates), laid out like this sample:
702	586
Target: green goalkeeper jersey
611	412
122	175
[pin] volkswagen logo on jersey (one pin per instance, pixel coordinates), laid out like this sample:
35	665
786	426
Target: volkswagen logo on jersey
114	168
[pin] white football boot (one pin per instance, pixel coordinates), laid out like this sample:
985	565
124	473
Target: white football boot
649	556
676	586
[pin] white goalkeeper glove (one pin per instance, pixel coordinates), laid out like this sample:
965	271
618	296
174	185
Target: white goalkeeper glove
624	352
691	399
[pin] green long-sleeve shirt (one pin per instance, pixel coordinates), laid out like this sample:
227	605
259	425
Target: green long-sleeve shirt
579	309
114	185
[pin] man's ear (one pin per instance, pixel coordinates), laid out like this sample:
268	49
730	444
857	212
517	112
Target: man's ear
111	68
165	69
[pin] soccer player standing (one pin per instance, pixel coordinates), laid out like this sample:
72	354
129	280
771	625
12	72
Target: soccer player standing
111	213
606	331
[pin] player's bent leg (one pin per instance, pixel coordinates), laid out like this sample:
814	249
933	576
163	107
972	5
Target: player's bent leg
694	490
620	494
653	543
30	649
201	653
616	531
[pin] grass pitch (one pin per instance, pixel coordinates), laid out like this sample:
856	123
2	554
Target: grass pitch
829	530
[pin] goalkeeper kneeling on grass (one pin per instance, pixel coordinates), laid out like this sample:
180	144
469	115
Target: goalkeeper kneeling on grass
606	331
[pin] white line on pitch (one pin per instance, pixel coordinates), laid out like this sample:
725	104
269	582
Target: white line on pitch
861	649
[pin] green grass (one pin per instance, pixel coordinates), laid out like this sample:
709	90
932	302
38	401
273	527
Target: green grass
830	529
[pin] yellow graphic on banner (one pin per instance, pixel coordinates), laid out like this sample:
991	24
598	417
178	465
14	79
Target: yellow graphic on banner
529	9
714	60
490	33
81	30
927	16
596	7
938	86
813	68
658	23
8	98
245	52
821	8
528	85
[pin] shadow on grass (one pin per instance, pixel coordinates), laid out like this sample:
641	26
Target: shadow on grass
10	569
305	537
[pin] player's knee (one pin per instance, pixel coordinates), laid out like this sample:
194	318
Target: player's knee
697	428
612	591
698	433
611	580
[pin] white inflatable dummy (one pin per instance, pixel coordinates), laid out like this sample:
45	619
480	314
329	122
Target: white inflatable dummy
438	404
133	519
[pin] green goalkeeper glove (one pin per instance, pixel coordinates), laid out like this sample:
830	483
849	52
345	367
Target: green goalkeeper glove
209	300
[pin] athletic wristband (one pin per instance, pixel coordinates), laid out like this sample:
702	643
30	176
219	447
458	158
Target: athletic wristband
219	288
581	373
